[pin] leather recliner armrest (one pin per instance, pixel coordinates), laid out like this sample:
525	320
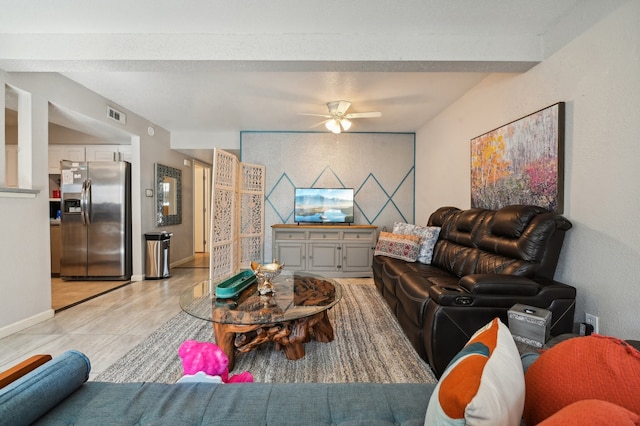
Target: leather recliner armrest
497	284
450	295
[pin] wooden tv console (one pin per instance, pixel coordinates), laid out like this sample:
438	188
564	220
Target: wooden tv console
332	251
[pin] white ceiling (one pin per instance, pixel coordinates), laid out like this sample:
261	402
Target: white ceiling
195	66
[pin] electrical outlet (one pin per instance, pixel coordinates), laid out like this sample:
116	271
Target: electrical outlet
593	320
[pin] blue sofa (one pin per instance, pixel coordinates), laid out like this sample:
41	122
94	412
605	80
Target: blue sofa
57	393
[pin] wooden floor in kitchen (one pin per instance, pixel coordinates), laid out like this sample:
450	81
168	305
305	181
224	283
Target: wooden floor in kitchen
107	326
65	294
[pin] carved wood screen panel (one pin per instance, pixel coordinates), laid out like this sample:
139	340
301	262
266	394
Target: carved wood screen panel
222	261
252	178
237	215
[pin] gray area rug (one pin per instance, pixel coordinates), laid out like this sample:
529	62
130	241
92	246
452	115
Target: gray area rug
369	346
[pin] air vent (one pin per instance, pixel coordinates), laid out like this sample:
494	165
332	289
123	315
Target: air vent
116	115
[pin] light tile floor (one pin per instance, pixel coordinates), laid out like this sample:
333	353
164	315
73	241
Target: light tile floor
107	327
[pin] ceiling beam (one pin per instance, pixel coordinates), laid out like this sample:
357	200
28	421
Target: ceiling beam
266	52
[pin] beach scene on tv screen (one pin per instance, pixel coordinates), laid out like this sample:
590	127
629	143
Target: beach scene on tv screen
323	205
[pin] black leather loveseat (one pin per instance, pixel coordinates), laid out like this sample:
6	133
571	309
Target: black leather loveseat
484	262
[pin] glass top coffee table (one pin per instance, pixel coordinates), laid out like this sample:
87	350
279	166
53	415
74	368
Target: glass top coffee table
290	316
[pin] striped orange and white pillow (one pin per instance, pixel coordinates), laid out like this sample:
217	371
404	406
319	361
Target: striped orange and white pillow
483	384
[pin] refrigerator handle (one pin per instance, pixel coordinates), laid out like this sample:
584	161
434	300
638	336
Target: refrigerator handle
83	202
87	202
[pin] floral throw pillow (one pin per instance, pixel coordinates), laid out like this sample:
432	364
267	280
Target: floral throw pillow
429	236
398	246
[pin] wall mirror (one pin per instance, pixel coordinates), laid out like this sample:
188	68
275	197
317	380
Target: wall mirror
168	195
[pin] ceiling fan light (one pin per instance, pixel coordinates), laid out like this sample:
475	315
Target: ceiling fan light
346	124
333	125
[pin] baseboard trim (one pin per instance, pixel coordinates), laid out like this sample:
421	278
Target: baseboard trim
25	323
181	261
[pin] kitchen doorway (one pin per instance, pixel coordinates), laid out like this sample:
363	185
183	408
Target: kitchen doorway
73	136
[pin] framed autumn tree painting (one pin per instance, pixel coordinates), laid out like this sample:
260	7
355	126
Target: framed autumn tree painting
521	162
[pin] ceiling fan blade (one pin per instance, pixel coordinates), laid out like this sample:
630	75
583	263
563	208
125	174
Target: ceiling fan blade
315	115
338	107
372	114
321	123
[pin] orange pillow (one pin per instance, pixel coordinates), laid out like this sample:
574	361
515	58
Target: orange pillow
592	412
592	367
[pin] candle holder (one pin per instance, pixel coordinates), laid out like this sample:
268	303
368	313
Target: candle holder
265	273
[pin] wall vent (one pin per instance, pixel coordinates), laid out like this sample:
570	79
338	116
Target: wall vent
116	115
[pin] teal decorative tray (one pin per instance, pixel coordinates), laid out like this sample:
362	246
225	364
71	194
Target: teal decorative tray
233	286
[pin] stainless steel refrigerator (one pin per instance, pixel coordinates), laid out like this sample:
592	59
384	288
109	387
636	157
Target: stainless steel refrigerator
96	220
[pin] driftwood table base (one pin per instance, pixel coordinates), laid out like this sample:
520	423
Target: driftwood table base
290	316
288	336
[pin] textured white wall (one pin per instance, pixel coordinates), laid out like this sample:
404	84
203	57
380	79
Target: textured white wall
379	166
597	75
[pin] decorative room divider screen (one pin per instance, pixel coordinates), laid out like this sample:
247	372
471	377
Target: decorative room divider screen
237	215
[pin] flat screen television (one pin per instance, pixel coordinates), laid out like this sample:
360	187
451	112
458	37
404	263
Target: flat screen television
323	205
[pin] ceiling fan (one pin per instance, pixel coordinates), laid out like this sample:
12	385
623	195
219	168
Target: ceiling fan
337	120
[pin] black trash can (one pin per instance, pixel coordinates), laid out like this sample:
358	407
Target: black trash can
157	262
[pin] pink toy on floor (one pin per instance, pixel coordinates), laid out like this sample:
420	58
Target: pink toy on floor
210	359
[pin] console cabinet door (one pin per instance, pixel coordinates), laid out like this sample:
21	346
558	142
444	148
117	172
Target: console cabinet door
292	254
357	257
324	256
